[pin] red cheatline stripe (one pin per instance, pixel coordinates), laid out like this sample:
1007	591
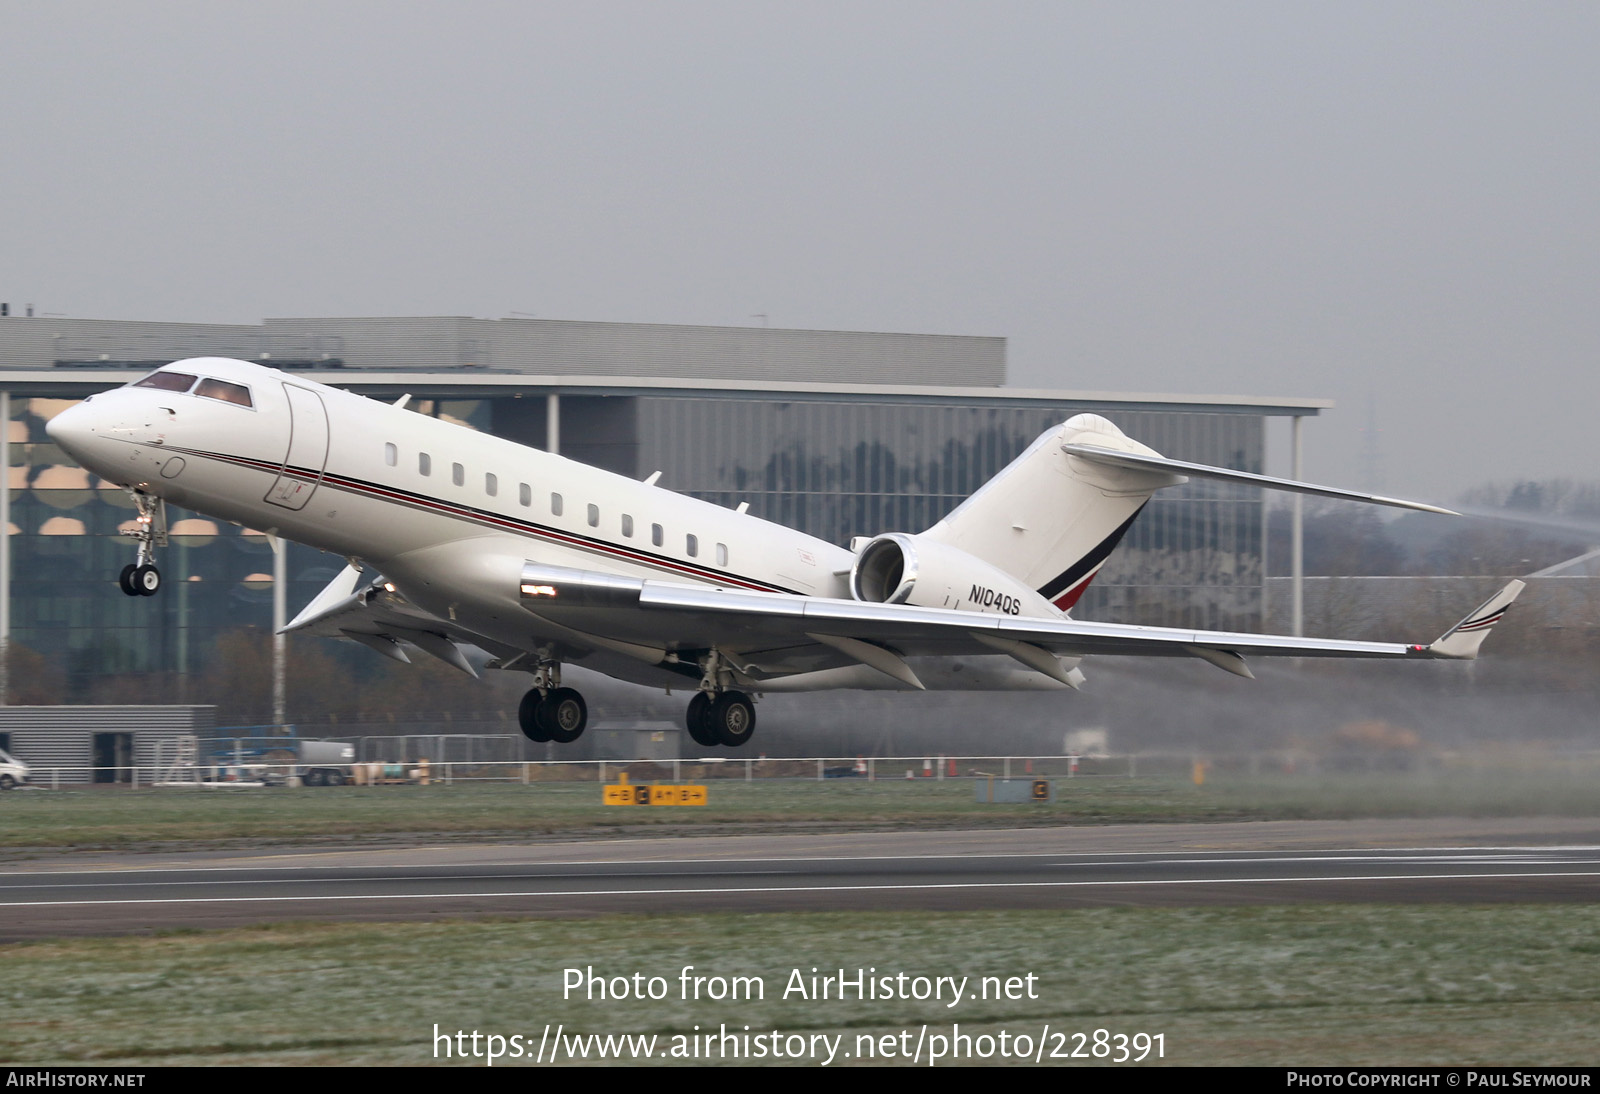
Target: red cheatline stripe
1085	567
1067	599
1479	624
478	516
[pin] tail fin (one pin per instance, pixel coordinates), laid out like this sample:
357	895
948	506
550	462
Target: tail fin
1055	514
1052	518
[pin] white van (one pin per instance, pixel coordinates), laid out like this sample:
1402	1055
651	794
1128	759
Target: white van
13	773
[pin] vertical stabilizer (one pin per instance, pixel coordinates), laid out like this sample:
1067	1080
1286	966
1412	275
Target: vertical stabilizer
1051	518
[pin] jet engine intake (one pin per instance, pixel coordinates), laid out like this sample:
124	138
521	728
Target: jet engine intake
897	568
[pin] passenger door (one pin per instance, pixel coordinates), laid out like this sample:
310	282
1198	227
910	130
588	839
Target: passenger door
307	457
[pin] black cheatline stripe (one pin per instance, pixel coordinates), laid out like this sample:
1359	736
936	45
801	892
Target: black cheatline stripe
1085	565
1479	624
481	516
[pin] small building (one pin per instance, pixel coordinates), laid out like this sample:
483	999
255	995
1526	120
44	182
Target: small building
69	745
837	434
640	740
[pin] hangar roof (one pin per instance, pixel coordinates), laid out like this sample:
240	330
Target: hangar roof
476	358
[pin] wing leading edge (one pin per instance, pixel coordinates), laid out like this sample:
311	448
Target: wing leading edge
778	635
793	616
769	627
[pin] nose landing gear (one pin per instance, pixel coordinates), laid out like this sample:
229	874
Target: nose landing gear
141	578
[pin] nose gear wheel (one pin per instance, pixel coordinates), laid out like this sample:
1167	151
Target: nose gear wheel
141	578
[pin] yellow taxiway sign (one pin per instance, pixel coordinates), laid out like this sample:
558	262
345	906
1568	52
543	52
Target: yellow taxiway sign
668	794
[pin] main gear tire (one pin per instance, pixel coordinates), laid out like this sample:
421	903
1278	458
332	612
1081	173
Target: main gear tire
733	718
698	721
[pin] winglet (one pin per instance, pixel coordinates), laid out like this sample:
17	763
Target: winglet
1462	640
339	594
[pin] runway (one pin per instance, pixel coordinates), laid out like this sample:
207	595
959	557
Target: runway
1166	865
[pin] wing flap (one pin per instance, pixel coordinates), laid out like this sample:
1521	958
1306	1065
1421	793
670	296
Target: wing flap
779	619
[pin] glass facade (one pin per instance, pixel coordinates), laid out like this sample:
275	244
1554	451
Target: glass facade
850	468
66	552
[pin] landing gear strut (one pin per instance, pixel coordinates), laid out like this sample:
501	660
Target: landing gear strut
550	712
718	714
141	578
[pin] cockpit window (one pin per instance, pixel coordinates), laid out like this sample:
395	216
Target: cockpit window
221	389
167	381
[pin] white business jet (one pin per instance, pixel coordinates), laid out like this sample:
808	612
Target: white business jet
459	539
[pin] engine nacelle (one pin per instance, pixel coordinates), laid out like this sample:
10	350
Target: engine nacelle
903	569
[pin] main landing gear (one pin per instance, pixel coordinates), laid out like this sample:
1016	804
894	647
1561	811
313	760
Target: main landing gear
718	714
141	578
550	712
729	719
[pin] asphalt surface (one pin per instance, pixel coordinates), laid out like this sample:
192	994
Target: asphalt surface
1150	865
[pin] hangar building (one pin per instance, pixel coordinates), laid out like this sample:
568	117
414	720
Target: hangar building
838	433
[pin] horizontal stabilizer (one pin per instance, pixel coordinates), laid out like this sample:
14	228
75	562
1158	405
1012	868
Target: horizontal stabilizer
1136	461
1462	640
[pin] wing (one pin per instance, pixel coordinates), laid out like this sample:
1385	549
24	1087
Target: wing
773	635
365	609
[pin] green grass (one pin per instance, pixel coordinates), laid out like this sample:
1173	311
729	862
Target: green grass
111	818
1301	985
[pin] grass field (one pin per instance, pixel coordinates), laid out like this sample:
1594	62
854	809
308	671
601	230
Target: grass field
1303	985
120	818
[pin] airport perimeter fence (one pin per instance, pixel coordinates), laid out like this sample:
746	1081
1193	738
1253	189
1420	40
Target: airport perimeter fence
461	760
426	771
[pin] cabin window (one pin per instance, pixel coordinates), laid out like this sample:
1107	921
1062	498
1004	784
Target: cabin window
691	543
391	454
594	516
525	494
491	485
237	394
722	554
627	525
424	463
458	474
555	504
658	535
167	381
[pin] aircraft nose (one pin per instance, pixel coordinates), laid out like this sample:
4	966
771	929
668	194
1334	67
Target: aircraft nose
75	430
66	425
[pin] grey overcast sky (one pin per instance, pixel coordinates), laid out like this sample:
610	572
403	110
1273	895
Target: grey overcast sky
1390	204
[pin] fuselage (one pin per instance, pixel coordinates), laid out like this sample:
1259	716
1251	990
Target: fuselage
448	513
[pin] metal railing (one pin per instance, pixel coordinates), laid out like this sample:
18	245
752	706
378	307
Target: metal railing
467	768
